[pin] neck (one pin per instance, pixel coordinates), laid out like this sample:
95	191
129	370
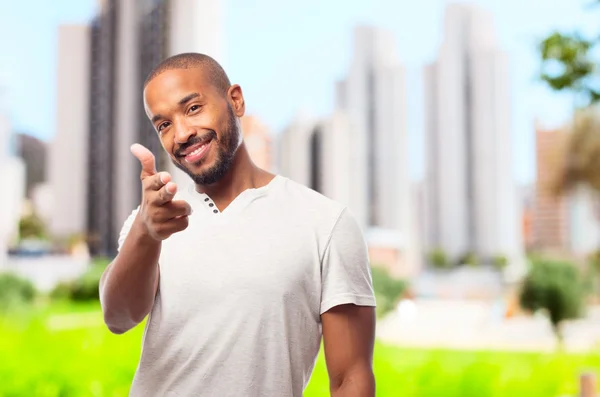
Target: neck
242	175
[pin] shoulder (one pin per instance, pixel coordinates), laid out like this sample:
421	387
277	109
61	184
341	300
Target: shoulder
309	202
309	207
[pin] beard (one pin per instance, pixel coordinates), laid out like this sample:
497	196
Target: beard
226	148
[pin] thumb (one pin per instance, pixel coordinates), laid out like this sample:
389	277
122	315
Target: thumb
146	158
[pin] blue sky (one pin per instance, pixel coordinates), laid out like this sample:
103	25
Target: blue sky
287	55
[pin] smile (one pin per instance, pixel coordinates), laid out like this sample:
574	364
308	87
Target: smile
197	152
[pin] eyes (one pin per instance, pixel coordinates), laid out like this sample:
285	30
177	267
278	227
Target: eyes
192	110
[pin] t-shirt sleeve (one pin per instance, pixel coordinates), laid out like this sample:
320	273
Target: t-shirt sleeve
346	272
126	228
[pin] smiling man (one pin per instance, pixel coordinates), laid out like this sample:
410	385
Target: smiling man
240	291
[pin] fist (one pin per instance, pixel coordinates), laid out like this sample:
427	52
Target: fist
161	215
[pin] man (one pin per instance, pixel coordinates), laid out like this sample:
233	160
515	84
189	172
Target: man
239	292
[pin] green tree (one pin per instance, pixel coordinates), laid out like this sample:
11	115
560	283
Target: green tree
556	288
569	64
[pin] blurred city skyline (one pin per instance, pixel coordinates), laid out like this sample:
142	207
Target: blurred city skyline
316	57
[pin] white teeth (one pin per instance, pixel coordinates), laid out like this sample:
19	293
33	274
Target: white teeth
197	150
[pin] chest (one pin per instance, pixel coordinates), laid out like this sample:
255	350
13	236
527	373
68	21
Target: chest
264	265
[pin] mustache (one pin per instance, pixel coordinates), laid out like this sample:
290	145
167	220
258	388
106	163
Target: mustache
210	135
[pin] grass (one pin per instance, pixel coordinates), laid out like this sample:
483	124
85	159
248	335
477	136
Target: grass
65	351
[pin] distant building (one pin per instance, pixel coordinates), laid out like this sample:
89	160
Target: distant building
33	152
550	217
68	157
12	170
359	154
471	193
258	142
124	42
564	223
373	97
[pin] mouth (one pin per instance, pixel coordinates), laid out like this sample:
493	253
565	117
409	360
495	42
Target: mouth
196	152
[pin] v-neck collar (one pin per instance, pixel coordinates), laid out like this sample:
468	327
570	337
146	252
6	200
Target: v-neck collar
238	203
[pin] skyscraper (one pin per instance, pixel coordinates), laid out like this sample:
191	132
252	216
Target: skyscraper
550	211
68	156
12	170
195	26
316	153
359	154
472	203
373	97
126	40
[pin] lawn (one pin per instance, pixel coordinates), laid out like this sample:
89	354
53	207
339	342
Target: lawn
65	351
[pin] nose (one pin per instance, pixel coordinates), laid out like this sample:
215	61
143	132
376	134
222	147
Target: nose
183	132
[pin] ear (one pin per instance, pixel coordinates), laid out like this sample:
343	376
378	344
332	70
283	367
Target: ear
236	98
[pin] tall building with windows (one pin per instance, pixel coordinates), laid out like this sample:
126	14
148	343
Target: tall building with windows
126	40
471	194
359	154
373	97
68	155
12	170
194	26
550	226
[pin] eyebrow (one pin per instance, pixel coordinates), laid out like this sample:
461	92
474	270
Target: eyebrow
188	98
182	101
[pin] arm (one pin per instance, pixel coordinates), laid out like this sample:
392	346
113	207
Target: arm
129	284
349	338
348	311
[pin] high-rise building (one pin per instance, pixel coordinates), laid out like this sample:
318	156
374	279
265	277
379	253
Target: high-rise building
195	26
359	154
567	222
12	170
472	202
258	142
295	156
33	152
126	40
68	155
373	97
550	221
316	153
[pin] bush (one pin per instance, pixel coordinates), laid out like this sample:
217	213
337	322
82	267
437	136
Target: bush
85	288
555	287
499	262
32	227
468	259
15	291
387	290
438	259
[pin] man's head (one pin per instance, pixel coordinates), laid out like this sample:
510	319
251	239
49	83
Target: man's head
195	110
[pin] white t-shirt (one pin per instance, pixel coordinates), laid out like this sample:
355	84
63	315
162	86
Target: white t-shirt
241	293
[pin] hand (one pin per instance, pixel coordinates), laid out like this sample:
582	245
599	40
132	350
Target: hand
160	215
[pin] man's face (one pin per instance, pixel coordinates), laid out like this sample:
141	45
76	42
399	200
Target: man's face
196	123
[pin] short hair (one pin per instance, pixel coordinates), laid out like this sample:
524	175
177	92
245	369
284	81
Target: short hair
214	71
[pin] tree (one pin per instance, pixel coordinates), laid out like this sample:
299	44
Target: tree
569	64
555	287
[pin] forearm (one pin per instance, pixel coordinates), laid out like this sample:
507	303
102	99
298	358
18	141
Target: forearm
357	383
128	286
